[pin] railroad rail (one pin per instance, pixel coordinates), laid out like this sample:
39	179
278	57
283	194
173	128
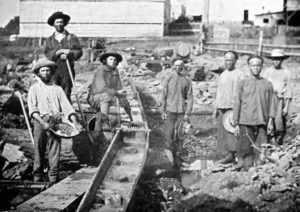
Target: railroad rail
116	177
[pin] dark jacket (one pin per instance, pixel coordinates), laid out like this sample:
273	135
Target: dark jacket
70	41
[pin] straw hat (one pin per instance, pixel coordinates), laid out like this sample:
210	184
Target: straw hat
58	15
228	115
278	54
44	62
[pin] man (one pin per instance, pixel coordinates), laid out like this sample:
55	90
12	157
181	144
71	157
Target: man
106	85
226	91
177	103
62	46
253	113
281	80
46	100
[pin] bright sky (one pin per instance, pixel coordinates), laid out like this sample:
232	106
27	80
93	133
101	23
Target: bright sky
8	10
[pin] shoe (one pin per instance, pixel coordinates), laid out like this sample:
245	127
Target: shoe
169	155
239	166
229	158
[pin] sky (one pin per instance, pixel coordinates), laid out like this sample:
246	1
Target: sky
8	10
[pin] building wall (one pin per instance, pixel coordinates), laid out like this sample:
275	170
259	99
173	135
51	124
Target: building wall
97	18
272	19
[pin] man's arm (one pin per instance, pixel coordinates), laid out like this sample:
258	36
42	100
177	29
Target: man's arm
76	49
190	101
49	51
237	103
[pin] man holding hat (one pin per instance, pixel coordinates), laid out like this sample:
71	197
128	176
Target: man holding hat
227	84
253	114
45	100
177	104
59	47
106	85
281	80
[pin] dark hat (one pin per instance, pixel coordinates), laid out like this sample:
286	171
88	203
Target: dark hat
111	53
44	62
278	54
57	15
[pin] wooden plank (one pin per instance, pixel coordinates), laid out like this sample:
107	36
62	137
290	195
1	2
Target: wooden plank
102	169
255	44
61	195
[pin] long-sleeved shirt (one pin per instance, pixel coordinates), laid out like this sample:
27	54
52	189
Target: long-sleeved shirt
69	41
177	95
48	100
254	102
281	80
106	80
227	88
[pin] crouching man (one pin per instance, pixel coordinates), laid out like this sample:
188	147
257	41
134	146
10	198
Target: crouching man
46	100
253	114
105	87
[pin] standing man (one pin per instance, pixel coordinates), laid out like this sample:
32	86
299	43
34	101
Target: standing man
62	46
226	91
105	87
253	113
281	80
177	103
46	100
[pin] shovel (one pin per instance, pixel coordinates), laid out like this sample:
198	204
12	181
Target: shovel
78	102
25	115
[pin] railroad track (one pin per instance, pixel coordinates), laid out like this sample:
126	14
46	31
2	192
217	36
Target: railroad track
111	185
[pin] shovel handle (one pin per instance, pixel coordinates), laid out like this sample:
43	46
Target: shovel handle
26	117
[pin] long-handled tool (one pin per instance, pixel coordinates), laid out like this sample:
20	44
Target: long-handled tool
25	115
78	102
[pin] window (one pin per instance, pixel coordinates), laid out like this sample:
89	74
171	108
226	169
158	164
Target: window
265	20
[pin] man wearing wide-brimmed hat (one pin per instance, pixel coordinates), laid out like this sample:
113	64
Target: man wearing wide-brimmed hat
105	87
281	80
46	100
62	45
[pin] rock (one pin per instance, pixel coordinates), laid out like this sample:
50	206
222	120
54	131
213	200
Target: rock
269	196
123	179
130	150
12	153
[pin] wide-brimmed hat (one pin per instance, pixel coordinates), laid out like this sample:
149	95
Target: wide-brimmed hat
44	62
226	121
57	15
111	53
278	54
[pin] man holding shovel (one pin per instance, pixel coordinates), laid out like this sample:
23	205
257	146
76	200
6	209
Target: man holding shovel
60	47
46	100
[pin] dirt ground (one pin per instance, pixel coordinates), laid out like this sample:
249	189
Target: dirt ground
160	189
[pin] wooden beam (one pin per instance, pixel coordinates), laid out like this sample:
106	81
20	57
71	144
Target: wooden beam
102	169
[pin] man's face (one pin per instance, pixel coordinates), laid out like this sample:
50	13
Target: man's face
59	25
255	65
111	61
45	74
230	61
277	62
179	67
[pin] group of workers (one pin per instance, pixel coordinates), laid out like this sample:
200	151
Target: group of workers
256	101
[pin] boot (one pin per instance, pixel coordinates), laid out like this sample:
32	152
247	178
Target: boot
240	164
229	158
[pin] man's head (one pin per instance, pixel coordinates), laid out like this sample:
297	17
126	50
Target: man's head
178	66
255	64
58	20
230	59
111	59
277	56
44	69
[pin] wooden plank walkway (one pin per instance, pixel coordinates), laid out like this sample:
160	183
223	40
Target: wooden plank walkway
61	195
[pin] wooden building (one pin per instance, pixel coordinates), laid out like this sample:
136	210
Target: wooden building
97	18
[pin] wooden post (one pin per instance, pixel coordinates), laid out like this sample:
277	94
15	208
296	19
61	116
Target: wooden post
260	45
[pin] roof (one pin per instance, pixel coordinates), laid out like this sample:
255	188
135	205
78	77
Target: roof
269	13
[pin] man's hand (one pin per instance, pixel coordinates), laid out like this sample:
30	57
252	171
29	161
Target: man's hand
121	92
215	114
237	130
164	116
63	56
186	118
285	111
78	127
270	128
45	125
